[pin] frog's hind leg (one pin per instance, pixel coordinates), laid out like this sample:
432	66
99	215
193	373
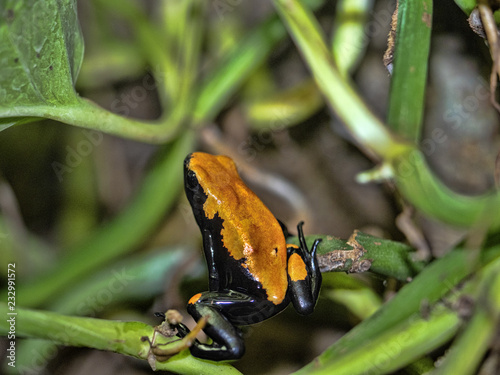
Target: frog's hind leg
224	311
227	339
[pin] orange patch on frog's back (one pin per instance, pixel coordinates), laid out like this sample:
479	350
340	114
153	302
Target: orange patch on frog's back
250	231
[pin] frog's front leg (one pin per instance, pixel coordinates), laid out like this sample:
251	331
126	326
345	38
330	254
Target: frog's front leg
304	276
209	249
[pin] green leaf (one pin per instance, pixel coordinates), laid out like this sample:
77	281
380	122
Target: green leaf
42	51
8	122
135	279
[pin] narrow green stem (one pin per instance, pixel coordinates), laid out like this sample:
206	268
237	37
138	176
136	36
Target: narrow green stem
117	336
420	186
350	38
409	78
88	115
285	108
364	126
151	43
385	257
132	280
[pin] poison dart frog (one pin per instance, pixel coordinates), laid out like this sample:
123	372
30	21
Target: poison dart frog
253	273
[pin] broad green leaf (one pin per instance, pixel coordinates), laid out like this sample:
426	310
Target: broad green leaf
41	49
8	122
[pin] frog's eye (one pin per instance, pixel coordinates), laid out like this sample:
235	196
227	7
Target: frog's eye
191	180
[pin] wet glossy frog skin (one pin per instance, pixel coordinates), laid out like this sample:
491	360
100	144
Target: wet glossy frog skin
253	273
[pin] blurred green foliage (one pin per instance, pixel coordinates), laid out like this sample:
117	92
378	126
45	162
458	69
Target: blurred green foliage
42	49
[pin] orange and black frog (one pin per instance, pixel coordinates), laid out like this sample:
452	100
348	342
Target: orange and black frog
253	273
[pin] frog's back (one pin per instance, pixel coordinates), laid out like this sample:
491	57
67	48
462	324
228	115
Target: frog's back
250	232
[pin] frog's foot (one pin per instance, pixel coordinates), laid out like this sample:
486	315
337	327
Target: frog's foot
162	351
309	257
